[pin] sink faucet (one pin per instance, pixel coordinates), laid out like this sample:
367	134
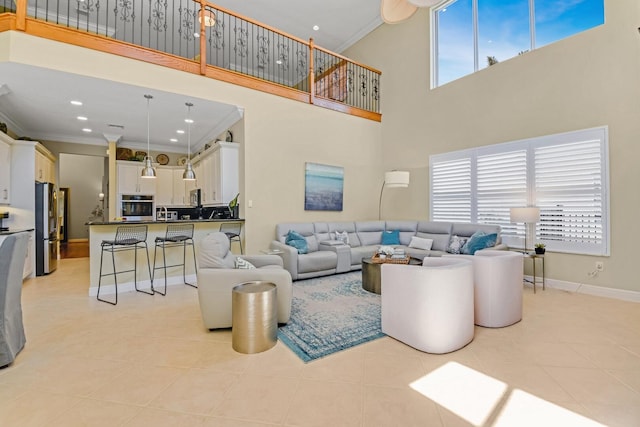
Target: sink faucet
166	212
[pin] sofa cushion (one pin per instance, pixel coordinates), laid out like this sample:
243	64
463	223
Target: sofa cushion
357	254
407	230
347	226
214	251
243	264
342	236
370	232
297	241
480	240
438	231
467	229
391	237
312	243
321	231
282	230
456	244
317	261
420	243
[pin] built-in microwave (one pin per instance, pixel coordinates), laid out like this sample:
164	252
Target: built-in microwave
195	198
136	207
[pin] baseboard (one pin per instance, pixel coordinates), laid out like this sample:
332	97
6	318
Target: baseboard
143	284
77	240
583	288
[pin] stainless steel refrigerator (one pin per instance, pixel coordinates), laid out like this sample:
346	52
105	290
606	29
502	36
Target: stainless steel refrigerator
46	228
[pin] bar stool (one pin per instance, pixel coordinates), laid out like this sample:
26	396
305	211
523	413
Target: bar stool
128	238
176	235
232	230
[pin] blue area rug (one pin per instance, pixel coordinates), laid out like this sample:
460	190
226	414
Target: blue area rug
330	314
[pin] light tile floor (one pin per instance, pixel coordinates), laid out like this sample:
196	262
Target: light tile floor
574	360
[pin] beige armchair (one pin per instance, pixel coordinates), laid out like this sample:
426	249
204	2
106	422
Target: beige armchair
217	276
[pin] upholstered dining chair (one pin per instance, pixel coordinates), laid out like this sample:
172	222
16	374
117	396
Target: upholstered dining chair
12	338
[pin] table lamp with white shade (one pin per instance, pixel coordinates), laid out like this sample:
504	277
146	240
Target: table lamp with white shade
528	215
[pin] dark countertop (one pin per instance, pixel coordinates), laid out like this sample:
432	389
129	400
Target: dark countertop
179	221
14	231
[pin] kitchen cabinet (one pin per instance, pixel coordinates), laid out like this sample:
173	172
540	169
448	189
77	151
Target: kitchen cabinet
218	174
130	180
5	173
45	166
181	188
164	187
208	179
171	189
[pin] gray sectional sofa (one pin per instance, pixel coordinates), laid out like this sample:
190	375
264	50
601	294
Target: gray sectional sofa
326	255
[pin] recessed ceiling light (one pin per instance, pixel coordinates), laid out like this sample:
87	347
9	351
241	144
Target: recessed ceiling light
82	118
173	140
76	103
316	28
86	130
180	131
188	120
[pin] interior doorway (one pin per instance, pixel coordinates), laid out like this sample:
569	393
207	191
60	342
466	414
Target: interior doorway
63	202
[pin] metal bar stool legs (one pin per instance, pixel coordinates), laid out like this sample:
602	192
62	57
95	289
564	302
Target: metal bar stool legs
232	230
128	238
176	235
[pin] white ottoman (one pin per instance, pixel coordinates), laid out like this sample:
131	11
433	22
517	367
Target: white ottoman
498	281
429	307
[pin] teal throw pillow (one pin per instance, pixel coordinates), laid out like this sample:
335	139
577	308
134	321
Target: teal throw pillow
391	237
298	241
475	243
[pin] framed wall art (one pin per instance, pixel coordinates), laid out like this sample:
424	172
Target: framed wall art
323	187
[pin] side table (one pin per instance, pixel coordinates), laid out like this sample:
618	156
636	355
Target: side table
254	317
533	257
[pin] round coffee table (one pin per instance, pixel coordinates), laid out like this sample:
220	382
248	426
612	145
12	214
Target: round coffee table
371	274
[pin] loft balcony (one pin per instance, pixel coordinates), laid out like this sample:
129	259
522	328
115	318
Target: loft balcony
201	38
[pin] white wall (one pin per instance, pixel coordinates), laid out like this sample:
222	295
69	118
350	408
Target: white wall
587	80
279	135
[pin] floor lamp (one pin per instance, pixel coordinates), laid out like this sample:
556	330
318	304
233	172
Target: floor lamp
529	215
393	179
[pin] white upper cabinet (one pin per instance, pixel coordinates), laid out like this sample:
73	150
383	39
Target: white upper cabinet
164	187
130	180
171	189
217	174
45	166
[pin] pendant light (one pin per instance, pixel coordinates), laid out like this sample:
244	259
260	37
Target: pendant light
188	174
148	171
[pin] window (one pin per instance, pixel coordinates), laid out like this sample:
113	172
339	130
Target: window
565	175
469	35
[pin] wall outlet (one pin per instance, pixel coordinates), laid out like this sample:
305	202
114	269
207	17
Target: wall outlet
599	266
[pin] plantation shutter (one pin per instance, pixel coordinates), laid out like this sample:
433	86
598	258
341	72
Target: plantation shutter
501	184
451	190
571	194
565	175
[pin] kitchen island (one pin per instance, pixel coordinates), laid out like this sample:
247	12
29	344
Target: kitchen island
99	231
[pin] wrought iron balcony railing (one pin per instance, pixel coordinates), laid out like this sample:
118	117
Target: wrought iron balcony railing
213	41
